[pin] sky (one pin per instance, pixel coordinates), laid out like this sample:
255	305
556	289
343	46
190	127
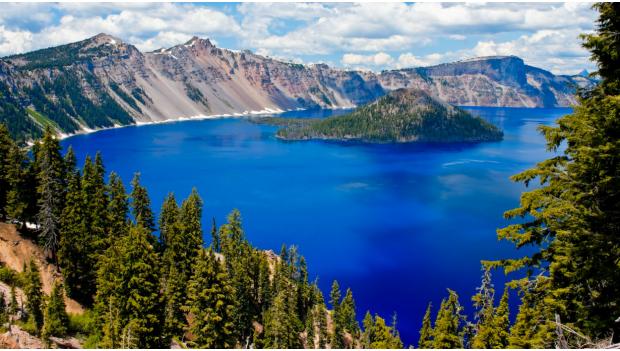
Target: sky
367	36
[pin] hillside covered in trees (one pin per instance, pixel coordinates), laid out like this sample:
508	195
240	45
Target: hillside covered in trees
143	290
404	115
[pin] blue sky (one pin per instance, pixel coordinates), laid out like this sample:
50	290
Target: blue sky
371	36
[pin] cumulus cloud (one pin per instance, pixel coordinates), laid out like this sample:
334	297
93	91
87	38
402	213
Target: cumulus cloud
379	59
148	26
557	50
388	35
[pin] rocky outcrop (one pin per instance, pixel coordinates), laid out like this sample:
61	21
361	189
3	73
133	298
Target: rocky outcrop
16	253
103	82
490	81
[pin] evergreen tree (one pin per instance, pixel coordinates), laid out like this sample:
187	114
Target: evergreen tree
215	238
316	323
96	202
56	320
281	323
243	266
75	254
50	190
486	336
118	208
16	167
168	218
347	315
6	144
533	327
337	340
128	300
368	334
4	311
190	217
141	205
447	332
573	218
181	240
502	322
210	305
426	333
13	306
381	336
34	296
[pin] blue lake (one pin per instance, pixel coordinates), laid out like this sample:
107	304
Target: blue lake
398	224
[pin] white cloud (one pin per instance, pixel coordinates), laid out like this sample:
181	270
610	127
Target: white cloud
148	26
378	59
14	41
556	50
408	60
543	34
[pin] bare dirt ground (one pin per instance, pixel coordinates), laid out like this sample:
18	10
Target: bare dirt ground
17	251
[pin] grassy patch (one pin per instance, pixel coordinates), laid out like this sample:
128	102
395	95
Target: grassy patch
42	119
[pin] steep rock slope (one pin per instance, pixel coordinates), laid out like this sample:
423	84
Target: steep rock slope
489	81
103	82
16	253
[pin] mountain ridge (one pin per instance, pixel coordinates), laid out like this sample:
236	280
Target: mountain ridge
102	82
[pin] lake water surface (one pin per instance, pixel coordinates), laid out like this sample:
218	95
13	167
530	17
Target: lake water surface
398	224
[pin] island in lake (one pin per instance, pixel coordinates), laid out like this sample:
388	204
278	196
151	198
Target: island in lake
403	115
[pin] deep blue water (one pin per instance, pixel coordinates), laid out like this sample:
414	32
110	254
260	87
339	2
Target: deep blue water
397	223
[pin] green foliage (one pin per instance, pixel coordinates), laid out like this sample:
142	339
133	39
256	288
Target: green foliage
347	315
401	116
337	339
34	297
15	118
125	97
426	333
4	311
247	296
12	277
448	325
281	322
50	190
74	255
141	205
533	327
572	220
604	46
128	302
56	320
378	335
117	209
210	304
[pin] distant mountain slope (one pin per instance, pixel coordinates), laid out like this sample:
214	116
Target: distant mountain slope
490	81
102	82
403	115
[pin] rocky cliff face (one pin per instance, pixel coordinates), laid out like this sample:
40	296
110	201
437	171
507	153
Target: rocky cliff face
490	81
102	82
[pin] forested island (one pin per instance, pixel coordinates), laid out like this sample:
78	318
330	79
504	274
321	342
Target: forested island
137	289
403	115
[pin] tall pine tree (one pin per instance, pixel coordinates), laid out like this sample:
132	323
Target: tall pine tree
426	333
34	297
141	205
210	304
56	320
572	219
128	300
447	332
50	190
